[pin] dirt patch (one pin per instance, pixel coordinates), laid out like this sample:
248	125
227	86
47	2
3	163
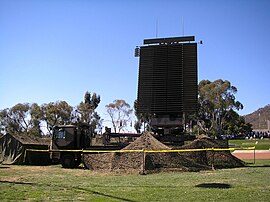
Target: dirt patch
247	155
155	162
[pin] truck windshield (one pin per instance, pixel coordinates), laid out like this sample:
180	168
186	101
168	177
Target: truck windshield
60	134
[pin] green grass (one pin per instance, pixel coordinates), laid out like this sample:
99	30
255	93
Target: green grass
259	163
53	183
259	144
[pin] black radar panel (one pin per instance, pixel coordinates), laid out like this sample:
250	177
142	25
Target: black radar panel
168	83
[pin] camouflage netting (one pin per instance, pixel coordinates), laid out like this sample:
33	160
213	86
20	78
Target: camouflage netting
220	159
153	162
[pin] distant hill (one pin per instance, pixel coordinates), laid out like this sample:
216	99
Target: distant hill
259	118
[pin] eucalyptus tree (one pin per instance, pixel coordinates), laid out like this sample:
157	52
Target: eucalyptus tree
85	111
3	120
21	118
36	115
235	124
56	113
143	119
119	112
216	100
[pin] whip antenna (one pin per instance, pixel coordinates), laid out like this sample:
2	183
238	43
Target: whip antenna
156	28
183	26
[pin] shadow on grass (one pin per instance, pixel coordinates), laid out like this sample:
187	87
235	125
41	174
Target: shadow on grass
252	165
214	185
4	167
24	183
105	195
78	188
258	166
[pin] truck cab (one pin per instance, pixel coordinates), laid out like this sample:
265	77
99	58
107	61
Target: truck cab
68	141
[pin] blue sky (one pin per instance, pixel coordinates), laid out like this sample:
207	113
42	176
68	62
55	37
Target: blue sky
59	49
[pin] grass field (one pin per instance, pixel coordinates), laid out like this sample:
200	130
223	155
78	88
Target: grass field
259	144
53	183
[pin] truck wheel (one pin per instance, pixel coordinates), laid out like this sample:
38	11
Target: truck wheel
68	161
77	162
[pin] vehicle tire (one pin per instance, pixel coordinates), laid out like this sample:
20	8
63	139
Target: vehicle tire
68	161
78	162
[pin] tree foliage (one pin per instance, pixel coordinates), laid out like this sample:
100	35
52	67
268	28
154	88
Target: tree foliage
235	124
86	108
21	118
29	118
143	119
119	112
216	101
56	113
85	111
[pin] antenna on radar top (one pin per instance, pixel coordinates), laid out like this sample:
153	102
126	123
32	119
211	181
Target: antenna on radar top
183	26
156	28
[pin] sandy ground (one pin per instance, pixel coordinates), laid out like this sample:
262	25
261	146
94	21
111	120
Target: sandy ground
249	154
